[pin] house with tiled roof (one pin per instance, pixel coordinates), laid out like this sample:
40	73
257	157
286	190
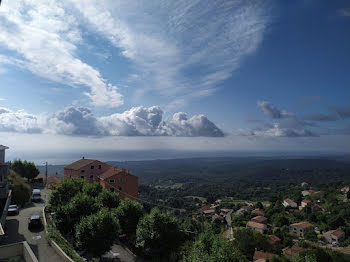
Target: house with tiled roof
300	229
292	252
258	212
209	212
273	240
112	178
334	236
305	203
260	256
289	203
257	226
259	219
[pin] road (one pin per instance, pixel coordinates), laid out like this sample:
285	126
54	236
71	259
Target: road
17	230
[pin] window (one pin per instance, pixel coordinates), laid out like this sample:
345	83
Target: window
99	166
112	189
91	176
82	171
92	167
0	178
83	177
120	188
111	181
70	176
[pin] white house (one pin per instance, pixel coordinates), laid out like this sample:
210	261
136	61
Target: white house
334	236
289	203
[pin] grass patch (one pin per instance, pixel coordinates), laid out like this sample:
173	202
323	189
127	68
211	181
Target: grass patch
56	236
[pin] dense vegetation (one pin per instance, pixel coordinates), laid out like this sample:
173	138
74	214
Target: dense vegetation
21	191
25	169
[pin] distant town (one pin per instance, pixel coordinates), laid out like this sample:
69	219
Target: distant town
99	212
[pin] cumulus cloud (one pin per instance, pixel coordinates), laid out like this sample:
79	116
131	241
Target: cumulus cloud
45	37
273	112
138	121
19	121
288	125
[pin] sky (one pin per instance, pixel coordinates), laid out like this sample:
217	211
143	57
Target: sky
82	77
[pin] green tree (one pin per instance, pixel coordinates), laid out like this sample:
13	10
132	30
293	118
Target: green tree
69	215
21	191
158	233
67	189
20	194
25	169
213	248
129	213
93	189
108	199
97	232
247	241
259	205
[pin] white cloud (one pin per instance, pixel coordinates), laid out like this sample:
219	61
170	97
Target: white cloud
180	47
288	124
276	131
19	121
273	112
45	37
138	121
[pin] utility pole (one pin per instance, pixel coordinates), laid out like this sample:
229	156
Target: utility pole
45	174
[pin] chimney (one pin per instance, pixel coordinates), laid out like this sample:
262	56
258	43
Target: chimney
83	157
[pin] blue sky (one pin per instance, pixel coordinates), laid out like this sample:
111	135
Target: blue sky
224	75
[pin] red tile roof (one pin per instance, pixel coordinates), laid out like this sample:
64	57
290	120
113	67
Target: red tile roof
263	255
80	163
209	211
289	201
259	219
290	252
338	233
302	225
253	224
273	240
258	211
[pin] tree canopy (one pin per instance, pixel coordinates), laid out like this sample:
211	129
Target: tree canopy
97	232
129	213
25	169
158	233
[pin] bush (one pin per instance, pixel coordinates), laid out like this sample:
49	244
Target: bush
21	191
56	236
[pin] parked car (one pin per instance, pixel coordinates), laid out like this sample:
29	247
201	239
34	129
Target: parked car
36	195
12	210
34	222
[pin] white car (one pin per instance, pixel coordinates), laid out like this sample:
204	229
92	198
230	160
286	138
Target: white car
12	210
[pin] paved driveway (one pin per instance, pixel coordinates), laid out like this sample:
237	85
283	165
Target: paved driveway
17	230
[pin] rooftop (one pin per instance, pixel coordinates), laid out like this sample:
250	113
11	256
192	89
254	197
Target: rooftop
209	211
256	225
2	147
338	233
262	255
302	225
80	163
259	219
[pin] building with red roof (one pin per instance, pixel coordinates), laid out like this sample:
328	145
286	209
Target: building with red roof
110	177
